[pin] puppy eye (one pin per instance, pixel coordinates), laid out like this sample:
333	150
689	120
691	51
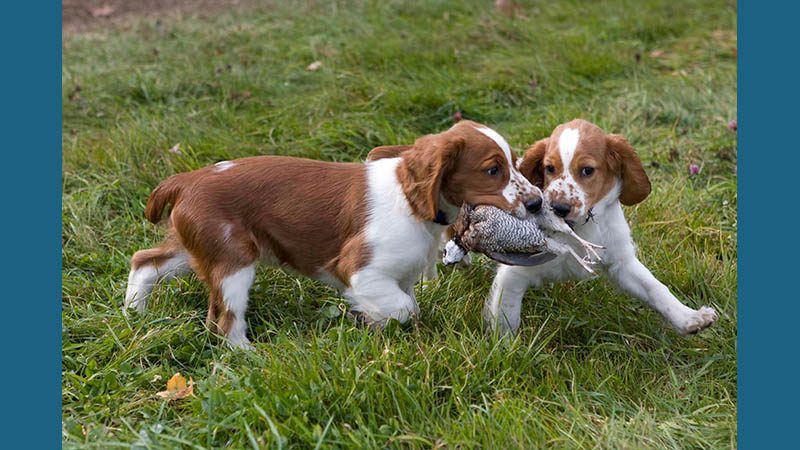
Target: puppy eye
586	171
493	171
550	168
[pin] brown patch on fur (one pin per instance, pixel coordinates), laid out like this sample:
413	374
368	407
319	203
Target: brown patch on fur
158	255
166	193
225	322
355	254
592	152
303	213
455	164
635	183
386	151
422	169
216	309
532	166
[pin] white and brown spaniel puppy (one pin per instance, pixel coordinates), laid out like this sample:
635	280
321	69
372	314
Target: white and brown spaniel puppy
368	229
585	175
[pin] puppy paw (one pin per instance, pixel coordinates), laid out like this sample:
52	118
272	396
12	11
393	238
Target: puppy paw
365	321
241	343
140	305
361	319
698	321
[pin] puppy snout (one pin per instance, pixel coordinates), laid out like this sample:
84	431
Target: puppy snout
561	209
533	206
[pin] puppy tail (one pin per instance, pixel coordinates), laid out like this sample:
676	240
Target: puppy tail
165	194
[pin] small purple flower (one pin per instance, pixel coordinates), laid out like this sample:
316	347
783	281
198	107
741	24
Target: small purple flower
457	116
694	169
732	125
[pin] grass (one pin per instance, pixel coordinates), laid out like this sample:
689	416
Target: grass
591	368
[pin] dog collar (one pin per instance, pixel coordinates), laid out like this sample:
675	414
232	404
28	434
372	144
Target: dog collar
441	219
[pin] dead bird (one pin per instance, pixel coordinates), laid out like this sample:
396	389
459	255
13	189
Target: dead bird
509	240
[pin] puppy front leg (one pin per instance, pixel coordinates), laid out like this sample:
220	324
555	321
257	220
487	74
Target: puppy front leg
430	273
379	298
502	309
635	279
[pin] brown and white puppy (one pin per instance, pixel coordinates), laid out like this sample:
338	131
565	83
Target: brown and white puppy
585	175
367	229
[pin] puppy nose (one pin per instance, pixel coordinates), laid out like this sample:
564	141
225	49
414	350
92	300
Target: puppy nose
533	206
561	209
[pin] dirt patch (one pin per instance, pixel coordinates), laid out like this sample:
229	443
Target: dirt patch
78	16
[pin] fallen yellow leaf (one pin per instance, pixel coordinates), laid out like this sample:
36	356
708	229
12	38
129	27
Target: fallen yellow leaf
176	382
177	388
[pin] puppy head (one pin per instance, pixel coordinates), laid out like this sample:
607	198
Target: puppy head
468	163
579	165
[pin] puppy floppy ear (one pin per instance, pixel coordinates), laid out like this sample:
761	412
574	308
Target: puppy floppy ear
422	169
635	184
532	165
386	151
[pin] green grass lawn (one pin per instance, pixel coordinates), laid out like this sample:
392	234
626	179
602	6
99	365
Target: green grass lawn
591	368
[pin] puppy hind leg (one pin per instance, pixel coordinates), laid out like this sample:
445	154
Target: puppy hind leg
228	305
148	267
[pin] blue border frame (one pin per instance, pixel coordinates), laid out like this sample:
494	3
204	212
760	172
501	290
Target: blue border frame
767	250
31	181
768	155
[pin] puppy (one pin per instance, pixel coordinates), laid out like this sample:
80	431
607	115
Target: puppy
585	176
367	229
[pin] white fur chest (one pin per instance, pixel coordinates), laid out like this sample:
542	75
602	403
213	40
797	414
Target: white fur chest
607	227
399	242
